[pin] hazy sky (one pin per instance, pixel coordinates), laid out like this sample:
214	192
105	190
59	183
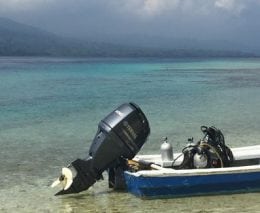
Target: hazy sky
233	20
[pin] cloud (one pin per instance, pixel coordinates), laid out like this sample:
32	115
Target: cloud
19	4
16	5
142	8
157	7
154	8
202	19
234	6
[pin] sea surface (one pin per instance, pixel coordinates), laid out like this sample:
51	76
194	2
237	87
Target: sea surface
50	109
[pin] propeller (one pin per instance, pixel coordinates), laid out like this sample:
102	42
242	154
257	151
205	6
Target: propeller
65	179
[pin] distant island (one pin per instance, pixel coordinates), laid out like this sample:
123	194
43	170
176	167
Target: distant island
18	39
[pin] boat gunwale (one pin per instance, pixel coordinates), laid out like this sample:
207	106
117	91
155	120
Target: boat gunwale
169	172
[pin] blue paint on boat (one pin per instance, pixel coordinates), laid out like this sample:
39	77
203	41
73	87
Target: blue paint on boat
179	186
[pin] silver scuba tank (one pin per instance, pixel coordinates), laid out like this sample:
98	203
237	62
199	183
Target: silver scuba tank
200	161
166	153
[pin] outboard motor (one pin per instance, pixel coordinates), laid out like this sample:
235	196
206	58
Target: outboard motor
120	136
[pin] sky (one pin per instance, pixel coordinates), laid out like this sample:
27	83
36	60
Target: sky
235	21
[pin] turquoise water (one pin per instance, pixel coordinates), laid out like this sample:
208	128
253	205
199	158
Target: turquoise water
50	108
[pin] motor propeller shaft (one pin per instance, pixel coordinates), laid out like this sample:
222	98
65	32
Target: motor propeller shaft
65	179
83	177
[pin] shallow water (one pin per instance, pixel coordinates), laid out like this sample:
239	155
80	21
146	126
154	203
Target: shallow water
50	108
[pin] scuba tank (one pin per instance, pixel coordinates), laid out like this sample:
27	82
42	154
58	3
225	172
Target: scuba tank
166	153
210	152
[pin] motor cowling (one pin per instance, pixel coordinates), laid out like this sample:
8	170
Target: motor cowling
120	135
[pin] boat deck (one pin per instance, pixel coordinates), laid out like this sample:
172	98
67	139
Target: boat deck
240	154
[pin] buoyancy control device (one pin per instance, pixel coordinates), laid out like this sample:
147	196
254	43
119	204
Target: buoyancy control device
210	152
120	135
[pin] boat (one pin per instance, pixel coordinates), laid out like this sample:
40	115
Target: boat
242	176
207	166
